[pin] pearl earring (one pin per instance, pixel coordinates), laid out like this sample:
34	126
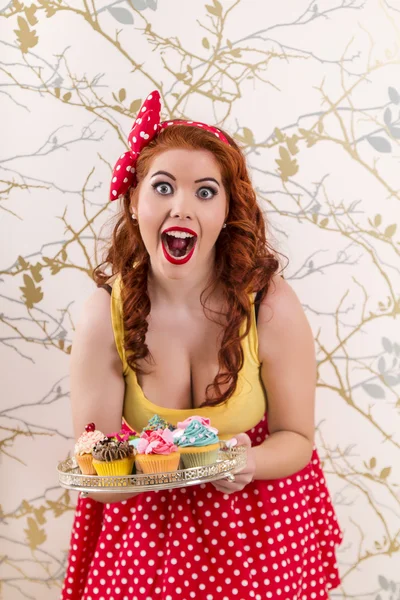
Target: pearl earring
133	216
223	226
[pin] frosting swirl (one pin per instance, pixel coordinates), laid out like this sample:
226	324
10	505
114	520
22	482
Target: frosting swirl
156	422
195	434
203	420
109	450
125	434
160	441
87	440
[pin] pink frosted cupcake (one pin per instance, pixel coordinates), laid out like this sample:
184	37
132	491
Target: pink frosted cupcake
84	446
156	452
126	434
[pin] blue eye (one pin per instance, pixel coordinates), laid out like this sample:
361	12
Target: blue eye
206	193
163	188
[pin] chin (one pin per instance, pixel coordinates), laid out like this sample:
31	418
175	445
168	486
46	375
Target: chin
177	272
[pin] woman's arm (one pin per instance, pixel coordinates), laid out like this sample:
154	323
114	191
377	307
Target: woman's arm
288	371
96	379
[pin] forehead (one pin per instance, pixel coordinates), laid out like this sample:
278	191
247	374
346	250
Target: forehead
185	163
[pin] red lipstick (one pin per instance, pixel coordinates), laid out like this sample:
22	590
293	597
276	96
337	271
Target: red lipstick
173	259
176	228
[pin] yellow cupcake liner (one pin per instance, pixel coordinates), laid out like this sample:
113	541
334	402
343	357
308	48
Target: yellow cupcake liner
122	466
157	463
85	462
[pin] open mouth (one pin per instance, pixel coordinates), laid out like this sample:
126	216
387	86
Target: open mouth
178	244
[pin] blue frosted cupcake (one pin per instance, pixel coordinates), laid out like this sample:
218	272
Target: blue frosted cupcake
198	443
156	422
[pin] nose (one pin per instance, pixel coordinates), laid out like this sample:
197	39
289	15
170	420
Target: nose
182	207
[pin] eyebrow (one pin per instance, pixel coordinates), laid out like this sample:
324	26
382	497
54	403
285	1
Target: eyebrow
207	179
174	178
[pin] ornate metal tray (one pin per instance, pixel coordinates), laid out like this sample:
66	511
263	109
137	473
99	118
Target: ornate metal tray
229	462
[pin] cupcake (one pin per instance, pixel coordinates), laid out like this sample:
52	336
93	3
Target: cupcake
197	442
156	422
84	446
126	434
203	420
111	457
156	452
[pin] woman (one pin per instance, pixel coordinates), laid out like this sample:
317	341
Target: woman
188	256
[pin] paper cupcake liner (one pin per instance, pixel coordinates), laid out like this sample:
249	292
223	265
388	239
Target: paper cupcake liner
85	462
200	458
123	466
157	463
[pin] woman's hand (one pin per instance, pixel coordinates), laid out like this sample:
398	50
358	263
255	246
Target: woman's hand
109	498
243	477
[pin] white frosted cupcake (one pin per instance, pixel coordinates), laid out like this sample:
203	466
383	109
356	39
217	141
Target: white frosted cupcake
84	447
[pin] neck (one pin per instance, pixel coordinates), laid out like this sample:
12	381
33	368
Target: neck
177	292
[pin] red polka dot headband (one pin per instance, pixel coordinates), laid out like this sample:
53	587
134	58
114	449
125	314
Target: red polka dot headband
146	126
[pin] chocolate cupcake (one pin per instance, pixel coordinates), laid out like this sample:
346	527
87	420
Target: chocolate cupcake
111	457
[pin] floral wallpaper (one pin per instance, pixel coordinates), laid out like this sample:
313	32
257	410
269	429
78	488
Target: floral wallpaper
311	90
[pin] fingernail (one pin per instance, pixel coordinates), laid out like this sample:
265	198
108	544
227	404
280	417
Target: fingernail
231	443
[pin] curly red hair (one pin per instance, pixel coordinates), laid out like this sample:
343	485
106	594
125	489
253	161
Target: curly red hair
245	262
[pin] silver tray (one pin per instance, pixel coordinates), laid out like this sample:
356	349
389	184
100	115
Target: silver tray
229	462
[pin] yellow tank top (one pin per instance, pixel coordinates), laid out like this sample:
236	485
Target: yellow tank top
240	413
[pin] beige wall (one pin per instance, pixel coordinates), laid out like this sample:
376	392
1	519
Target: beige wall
313	92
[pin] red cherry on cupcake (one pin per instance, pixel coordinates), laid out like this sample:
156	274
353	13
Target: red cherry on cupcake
90	427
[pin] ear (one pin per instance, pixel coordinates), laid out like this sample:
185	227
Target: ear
133	199
228	205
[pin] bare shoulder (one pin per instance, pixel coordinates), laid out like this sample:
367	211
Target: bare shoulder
282	321
95	316
94	336
281	304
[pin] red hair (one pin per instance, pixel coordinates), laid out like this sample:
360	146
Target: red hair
244	260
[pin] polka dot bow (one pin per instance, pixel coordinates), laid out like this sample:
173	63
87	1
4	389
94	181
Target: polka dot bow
146	126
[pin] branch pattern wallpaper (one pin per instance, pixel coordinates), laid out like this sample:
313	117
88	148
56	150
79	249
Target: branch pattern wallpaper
311	91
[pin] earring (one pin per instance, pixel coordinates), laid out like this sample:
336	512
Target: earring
134	216
223	226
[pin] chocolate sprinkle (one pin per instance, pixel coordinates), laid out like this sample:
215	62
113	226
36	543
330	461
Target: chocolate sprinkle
109	450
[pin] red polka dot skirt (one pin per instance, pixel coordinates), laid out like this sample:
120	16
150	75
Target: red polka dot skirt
275	539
